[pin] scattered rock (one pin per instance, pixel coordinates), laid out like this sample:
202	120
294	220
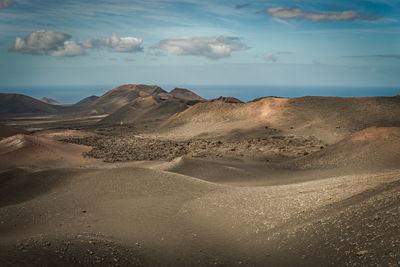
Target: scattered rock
362	252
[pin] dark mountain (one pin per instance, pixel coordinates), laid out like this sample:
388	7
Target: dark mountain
17	103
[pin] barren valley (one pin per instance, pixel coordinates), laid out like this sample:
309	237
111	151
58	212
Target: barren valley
145	177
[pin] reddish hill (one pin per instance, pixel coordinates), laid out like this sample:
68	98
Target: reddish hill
185	94
122	95
31	151
370	149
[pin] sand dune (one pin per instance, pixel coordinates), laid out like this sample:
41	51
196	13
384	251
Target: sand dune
30	151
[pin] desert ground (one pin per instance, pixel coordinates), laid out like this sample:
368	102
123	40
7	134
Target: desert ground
145	177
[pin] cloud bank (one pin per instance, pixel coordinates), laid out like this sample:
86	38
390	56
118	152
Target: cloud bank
6	3
115	43
297	13
216	47
58	44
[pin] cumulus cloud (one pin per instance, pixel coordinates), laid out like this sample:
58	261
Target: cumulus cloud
115	43
216	47
58	44
40	42
297	13
68	49
6	3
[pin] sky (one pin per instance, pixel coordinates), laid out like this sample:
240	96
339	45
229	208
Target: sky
208	42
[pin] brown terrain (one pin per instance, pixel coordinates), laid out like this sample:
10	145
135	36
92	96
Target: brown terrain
145	177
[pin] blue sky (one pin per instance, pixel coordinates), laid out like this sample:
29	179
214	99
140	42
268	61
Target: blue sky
112	42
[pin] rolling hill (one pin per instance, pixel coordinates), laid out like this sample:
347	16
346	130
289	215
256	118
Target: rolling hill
374	148
28	151
326	118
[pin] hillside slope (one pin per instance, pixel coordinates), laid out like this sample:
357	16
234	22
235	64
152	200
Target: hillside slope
31	151
185	94
86	101
147	109
122	95
17	103
371	149
6	131
326	118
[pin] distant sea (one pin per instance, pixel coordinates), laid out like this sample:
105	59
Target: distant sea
72	94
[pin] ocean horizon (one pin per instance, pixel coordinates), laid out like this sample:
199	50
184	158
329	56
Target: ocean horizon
75	93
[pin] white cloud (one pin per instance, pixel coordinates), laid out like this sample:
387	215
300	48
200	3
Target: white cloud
210	47
58	44
40	42
270	57
68	49
297	13
6	3
115	43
